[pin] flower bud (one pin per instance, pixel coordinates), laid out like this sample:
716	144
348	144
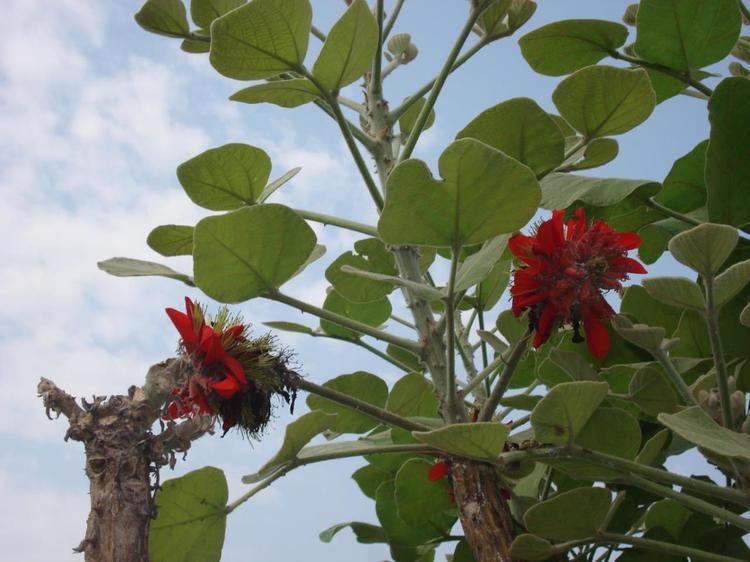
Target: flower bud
401	47
742	49
736	69
630	15
520	12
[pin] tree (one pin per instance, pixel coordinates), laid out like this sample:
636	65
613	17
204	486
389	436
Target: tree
581	475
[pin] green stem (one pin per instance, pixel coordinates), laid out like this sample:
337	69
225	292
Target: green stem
450	311
318	33
675	377
439	82
339	222
714	336
360	135
745	12
384	356
520	421
260	487
351	104
666	548
360	327
667	212
484	373
612	511
378	59
402	321
366	408
503	381
390	67
392	18
682	76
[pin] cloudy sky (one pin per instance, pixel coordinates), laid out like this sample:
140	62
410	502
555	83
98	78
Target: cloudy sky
96	114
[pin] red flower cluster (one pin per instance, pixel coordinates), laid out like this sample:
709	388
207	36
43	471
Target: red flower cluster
567	269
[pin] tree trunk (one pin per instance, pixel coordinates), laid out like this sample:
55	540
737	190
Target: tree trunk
485	514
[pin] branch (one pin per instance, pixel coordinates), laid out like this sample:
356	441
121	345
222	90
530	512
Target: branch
339	222
667	212
57	400
392	18
489	407
667	548
452	402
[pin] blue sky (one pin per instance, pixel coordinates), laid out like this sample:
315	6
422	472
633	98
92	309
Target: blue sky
95	115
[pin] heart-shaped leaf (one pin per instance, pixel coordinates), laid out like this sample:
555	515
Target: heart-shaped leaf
417	497
371	313
565	410
412	395
371	256
704	248
675	291
571	515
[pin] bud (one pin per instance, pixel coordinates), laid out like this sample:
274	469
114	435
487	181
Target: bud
492	23
742	49
630	15
737	400
736	69
401	47
520	12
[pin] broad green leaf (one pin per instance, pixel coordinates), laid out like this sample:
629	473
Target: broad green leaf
204	12
675	291
704	248
686	34
261	39
665	86
727	170
171	240
477	267
510	327
369	477
498	345
696	426
412	395
574	364
565	410
289	327
240	255
531	547
522	130
128	267
685	186
361	385
642	335
370	313
349	47
492	21
669	515
409	117
227	177
576	514
418	498
284	93
565	46
191	518
489	291
484	193
652	449
271	188
560	191
371	255
407	358
165	17
317	252
481	440
462	552
598	152
745	316
600	101
298	434
652	391
730	282
366	533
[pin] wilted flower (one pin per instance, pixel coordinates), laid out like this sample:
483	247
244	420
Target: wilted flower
568	268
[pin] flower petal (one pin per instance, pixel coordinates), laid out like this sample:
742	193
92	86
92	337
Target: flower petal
234	369
226	388
184	325
628	265
210	346
544	325
628	240
597	337
438	471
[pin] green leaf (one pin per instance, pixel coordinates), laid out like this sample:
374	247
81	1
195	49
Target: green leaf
688	34
522	130
704	248
227	177
369	477
370	313
365	532
669	515
675	291
171	240
492	22
423	290
727	172
195	46
598	152
652	449
477	267
564	411
745	316
572	515
531	547
409	117
665	86
480	440
204	12
412	395
685	186
361	385
490	290
408	358
565	46
696	426
599	101
560	191
261	39
284	93
242	254
371	256
190	518
729	283
418	498
165	17
289	327
650	389
298	434
642	335
128	267
484	194
574	364
497	345
349	48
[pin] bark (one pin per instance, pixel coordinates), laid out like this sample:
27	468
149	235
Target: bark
485	515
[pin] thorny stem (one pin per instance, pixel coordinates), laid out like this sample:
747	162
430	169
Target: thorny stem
339	222
484	373
392	18
714	336
674	375
450	311
364	140
378	60
488	409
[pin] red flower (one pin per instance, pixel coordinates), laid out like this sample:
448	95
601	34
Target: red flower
567	269
438	471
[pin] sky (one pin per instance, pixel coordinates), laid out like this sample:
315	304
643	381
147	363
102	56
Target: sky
96	114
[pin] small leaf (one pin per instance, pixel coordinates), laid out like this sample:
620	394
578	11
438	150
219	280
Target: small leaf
349	48
745	316
484	193
289	327
571	515
574	364
492	23
521	402
730	282
405	357
204	12
600	101
704	248
498	345
298	434
650	389
560	191
365	532
480	440
642	335
489	291
409	117
361	385
696	426
598	152
565	46
128	267
247	252
276	184
227	177
477	267
165	17
565	410
530	547
652	449
669	515
423	290
372	256
412	395
675	291
370	313
261	39
195	46
417	497
191	517
369	477
171	240
284	93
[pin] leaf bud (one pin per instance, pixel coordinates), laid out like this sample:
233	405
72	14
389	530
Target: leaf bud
630	15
